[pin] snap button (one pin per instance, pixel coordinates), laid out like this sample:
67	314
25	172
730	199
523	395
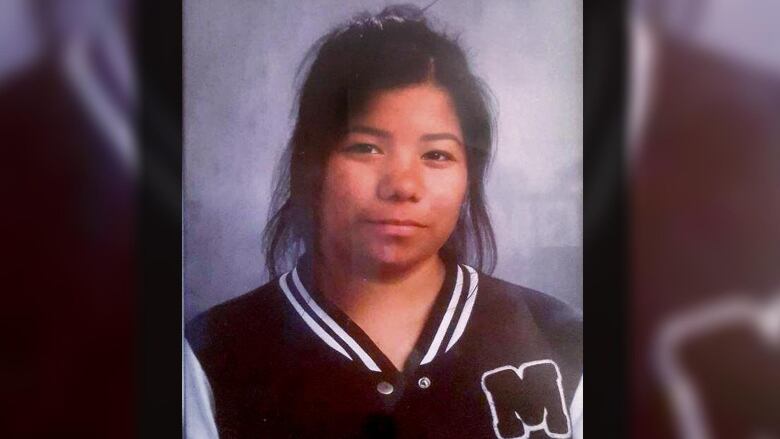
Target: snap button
424	382
384	388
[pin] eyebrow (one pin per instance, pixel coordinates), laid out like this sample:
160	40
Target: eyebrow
441	136
376	132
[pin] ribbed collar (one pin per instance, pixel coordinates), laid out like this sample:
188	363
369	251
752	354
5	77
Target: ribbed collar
446	323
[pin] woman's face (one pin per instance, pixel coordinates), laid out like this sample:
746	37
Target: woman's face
394	184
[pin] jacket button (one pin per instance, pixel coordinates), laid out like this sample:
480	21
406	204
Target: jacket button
424	382
384	388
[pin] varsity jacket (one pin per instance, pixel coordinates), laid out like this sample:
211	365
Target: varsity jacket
494	360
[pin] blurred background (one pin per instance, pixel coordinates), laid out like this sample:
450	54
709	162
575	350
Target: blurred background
703	170
240	59
698	164
70	163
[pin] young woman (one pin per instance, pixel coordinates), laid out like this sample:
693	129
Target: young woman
380	321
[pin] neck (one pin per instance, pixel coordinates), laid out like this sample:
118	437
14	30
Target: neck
409	291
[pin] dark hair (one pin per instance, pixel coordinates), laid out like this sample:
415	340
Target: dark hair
347	67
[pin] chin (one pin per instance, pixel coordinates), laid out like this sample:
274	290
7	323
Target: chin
389	259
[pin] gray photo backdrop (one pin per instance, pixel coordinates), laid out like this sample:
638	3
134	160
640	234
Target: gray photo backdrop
240	58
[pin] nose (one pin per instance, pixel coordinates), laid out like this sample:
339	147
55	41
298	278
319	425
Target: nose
401	180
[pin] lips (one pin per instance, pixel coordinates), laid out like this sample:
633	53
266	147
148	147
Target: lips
396	222
393	227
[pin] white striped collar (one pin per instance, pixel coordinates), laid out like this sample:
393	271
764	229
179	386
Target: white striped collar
449	317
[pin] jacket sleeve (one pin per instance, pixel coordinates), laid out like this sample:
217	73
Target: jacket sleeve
576	413
198	400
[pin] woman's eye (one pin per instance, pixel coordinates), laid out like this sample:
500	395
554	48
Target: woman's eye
362	148
439	156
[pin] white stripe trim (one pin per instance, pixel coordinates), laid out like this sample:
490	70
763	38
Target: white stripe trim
309	321
364	357
445	322
466	313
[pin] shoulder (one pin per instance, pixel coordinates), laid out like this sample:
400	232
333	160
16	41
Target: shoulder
243	317
553	317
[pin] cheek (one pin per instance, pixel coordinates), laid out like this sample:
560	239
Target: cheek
344	190
447	195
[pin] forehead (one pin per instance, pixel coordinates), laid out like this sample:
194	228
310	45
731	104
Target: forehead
419	107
